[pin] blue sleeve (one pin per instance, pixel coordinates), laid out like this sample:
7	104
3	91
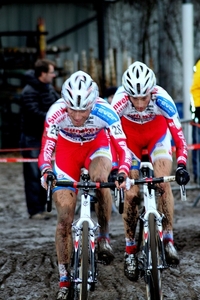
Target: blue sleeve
167	106
105	113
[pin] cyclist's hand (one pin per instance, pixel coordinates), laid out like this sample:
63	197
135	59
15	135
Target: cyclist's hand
50	174
182	175
120	180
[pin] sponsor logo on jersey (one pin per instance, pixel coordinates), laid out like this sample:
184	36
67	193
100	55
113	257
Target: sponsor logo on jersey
166	106
80	135
121	104
48	150
160	152
175	123
141	118
105	113
181	136
57	117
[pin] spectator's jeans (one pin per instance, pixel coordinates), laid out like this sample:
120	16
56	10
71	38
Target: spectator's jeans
196	154
35	194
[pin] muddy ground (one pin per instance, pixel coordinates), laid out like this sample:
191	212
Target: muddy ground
28	268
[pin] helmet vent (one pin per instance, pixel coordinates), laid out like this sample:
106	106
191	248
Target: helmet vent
70	94
147	72
138	88
78	100
72	104
147	81
130	83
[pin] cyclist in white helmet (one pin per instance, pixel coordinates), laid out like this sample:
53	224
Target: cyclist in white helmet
149	118
75	129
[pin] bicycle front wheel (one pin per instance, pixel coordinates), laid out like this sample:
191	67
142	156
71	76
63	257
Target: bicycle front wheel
84	263
153	275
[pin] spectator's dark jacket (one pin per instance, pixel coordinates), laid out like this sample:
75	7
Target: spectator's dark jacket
37	97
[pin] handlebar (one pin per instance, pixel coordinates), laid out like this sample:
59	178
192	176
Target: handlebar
154	180
90	184
96	185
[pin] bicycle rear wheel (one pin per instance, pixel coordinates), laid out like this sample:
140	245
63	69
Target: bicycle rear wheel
153	274
84	264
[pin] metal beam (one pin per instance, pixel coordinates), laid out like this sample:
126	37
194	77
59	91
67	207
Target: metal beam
74	28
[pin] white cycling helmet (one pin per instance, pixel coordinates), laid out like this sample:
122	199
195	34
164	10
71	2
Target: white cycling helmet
138	80
79	91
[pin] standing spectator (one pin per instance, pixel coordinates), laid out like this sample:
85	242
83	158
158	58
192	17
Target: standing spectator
195	92
148	116
37	96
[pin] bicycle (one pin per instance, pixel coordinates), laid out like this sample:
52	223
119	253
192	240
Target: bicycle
84	258
150	246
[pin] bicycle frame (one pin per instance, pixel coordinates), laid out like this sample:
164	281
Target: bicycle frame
151	256
90	228
153	248
150	206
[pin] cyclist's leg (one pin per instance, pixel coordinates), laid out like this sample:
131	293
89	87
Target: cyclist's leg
65	201
130	213
162	162
67	165
136	142
99	164
130	217
163	167
99	170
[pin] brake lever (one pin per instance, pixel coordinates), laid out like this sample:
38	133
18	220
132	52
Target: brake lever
121	195
49	192
183	193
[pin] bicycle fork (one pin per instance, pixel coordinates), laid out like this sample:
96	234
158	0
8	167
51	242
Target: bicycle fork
150	208
85	216
146	232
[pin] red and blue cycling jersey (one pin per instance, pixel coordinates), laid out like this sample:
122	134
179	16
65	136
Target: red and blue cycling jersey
58	127
161	106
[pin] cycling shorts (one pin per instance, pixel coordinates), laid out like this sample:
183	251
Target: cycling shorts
71	157
153	136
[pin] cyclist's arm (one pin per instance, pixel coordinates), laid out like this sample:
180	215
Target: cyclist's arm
179	140
49	137
49	140
118	139
168	109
